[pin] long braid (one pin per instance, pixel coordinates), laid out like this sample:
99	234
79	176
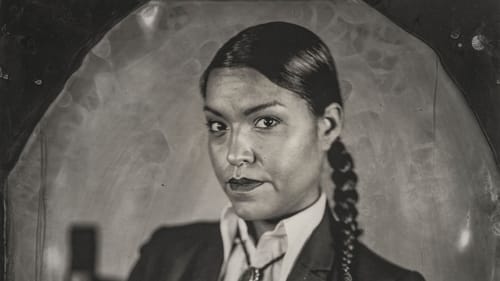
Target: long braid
345	198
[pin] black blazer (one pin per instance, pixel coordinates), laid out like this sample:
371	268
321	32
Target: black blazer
195	252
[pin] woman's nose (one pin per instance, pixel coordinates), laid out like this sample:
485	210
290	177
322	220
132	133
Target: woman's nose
240	150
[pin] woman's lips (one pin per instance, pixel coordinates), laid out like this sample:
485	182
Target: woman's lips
243	184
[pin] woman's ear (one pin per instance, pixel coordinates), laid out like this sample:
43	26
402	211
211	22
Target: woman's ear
330	125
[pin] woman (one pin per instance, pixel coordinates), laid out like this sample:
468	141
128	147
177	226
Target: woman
274	116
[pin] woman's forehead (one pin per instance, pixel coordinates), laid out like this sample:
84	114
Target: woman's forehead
242	78
243	88
240	84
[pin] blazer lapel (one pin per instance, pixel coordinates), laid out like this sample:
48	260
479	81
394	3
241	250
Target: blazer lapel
316	260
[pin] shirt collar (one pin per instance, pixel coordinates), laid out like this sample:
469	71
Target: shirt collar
298	228
302	224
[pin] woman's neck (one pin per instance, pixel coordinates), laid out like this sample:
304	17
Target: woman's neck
258	227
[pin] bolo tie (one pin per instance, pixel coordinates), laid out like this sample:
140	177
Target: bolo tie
253	273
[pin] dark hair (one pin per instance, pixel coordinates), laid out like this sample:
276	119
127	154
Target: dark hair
296	59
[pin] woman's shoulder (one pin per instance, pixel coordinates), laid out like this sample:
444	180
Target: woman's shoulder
180	239
371	266
170	248
186	233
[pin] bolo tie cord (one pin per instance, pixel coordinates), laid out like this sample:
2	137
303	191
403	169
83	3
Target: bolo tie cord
260	270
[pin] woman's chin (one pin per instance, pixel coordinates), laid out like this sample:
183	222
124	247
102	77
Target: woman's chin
250	212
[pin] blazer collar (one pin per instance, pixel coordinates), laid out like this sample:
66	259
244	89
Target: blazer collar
314	263
316	260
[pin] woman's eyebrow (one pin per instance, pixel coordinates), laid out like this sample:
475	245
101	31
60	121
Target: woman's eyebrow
247	111
260	107
213	111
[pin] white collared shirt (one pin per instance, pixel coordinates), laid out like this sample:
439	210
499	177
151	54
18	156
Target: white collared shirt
292	233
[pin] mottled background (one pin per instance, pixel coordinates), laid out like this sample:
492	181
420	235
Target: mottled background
122	149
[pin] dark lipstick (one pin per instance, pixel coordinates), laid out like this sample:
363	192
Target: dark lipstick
243	184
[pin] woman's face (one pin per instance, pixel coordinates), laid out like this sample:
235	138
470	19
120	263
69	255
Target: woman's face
271	135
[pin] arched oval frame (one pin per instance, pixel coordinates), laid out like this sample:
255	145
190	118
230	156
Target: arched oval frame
123	148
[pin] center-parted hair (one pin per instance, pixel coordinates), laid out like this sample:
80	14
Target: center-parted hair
296	59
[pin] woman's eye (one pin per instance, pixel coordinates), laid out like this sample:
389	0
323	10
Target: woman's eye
215	127
266	122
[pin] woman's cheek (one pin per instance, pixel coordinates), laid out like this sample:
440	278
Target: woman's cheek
277	165
217	158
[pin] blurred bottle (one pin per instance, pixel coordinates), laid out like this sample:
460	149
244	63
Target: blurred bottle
83	246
